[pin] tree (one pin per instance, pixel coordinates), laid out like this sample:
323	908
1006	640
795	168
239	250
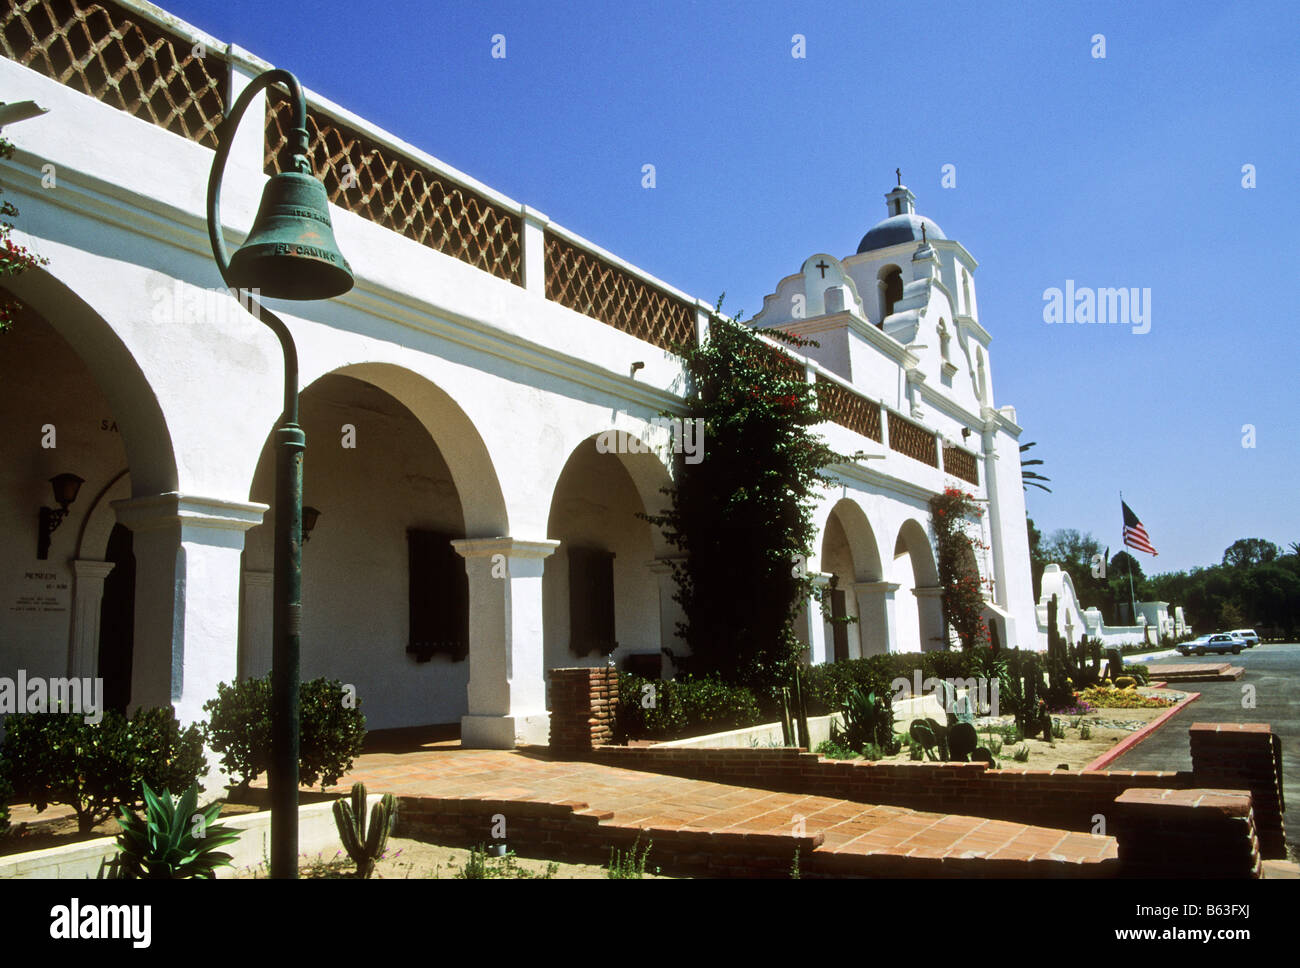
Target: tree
1032	478
14	258
959	577
1250	551
743	514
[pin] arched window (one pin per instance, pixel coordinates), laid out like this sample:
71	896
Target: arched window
944	339
891	290
965	292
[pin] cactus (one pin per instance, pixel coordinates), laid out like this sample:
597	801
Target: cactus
364	847
983	754
801	708
962	741
787	727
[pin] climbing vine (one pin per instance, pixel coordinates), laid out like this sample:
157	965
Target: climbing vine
743	514
14	258
953	512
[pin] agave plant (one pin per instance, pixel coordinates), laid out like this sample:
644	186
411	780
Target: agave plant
173	839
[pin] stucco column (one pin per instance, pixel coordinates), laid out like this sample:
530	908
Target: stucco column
187	552
507	665
813	624
670	610
929	611
877	620
87	595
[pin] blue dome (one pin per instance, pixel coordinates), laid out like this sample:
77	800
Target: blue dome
899	228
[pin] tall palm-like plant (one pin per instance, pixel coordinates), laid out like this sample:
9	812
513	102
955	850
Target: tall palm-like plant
1032	478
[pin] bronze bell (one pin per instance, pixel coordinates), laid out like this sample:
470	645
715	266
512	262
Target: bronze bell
291	252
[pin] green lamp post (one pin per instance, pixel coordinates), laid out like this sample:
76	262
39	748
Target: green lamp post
289	254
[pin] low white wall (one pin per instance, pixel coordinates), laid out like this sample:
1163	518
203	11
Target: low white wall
769	734
316	833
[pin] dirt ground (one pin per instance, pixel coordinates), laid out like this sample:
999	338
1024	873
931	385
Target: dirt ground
416	859
57	825
1106	726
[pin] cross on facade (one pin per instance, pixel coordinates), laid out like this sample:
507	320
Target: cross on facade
823	267
899	174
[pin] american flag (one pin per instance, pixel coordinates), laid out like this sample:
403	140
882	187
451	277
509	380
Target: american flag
1135	536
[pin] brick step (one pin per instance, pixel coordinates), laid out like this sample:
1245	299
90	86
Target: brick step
573	831
1200	672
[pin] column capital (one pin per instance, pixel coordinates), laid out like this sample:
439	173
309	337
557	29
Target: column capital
928	591
820	579
510	547
189	510
876	587
89	568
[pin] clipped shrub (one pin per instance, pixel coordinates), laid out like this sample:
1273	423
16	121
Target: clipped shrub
331	731
665	709
1141	673
239	727
1125	682
95	767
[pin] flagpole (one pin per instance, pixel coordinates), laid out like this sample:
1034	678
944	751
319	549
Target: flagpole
1132	598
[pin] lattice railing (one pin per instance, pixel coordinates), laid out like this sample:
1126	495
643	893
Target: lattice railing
586	283
117	57
848	409
960	463
912	440
400	194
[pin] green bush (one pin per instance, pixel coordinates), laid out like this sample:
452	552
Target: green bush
828	685
689	706
834	751
1141	673
868	720
93	768
6	791
331	732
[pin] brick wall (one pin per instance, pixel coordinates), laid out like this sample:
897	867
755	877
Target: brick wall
1245	756
1064	799
582	709
1186	834
1228	756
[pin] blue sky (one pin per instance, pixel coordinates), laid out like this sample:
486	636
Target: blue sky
1123	171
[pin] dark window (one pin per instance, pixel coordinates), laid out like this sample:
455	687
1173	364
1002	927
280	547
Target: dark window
840	628
439	597
591	601
893	291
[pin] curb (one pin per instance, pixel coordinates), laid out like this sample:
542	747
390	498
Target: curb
1124	745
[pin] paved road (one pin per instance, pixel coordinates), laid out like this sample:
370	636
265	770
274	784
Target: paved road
1274	671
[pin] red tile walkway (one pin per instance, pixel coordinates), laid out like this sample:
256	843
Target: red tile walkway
651	801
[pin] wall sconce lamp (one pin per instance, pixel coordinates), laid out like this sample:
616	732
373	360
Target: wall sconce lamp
309	516
638	365
65	487
965	433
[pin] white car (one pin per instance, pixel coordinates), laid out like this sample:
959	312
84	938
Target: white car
1219	642
1246	635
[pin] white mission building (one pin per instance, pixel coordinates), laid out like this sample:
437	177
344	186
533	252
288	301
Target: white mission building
452	403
